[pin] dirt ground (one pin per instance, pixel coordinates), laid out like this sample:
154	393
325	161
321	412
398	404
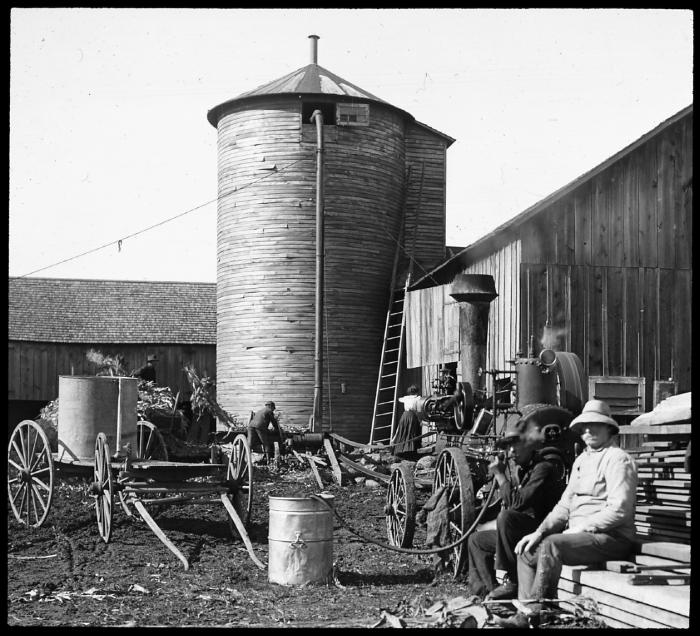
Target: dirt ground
64	574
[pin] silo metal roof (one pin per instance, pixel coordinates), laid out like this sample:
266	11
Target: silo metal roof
310	79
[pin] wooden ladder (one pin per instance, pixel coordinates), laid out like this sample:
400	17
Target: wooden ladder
384	416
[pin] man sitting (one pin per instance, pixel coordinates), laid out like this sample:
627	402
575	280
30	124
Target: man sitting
593	521
524	506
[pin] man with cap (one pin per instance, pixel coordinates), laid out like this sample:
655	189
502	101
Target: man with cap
539	486
147	372
259	425
593	522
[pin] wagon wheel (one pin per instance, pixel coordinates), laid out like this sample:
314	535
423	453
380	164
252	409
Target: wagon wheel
239	474
452	472
149	445
400	507
102	488
30	473
149	442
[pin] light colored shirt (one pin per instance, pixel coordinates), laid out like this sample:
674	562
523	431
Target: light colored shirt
410	402
601	495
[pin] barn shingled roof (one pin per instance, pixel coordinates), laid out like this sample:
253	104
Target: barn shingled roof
111	311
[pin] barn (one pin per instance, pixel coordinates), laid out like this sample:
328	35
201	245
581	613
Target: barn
53	322
601	268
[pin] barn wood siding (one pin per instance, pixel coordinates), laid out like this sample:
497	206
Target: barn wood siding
266	261
33	367
624	321
432	327
427	152
504	314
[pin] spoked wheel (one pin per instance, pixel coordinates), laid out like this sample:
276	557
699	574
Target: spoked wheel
102	488
149	442
30	473
149	445
239	474
401	507
452	472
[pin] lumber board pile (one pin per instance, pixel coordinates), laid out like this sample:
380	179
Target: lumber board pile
663	496
623	604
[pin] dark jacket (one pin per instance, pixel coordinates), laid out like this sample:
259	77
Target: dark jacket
262	419
538	490
147	372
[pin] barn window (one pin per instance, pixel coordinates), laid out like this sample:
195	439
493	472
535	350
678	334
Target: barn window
327	110
352	114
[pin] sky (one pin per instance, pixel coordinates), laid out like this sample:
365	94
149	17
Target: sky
109	136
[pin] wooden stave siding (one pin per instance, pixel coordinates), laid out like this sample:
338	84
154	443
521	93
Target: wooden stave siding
33	367
426	149
359	254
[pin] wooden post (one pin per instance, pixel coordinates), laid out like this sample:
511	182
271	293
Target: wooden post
337	474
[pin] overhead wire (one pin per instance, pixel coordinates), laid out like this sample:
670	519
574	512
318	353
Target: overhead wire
119	241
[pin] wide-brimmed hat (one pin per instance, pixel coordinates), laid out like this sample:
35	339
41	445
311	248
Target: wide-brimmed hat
594	412
540	414
152	358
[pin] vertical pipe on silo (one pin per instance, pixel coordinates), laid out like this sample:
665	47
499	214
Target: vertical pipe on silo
318	348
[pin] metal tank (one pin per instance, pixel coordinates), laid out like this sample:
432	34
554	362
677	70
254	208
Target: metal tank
88	405
266	245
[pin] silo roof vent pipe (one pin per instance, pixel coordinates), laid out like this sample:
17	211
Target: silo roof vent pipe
314	48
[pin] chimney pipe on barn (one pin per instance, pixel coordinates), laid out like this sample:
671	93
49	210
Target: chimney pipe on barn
474	293
314	48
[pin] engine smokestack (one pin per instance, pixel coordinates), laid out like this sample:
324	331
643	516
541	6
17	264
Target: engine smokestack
474	292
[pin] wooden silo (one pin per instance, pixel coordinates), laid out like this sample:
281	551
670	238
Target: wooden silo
266	244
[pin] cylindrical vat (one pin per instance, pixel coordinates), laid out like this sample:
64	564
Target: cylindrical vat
266	259
88	405
536	383
300	541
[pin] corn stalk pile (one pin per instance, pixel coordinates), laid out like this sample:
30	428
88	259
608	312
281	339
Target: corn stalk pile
203	398
154	400
107	365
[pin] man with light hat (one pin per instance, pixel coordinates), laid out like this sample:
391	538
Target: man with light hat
593	522
525	502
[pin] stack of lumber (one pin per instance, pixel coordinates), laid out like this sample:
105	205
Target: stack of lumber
623	604
663	496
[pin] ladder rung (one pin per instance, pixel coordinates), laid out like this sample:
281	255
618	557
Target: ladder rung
376	428
383	403
388	375
396	313
387	388
393	337
383	414
391	350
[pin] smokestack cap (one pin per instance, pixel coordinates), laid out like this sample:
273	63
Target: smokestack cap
472	288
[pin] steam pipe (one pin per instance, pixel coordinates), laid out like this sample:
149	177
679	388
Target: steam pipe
316	423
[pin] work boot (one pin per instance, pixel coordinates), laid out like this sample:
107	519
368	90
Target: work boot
506	590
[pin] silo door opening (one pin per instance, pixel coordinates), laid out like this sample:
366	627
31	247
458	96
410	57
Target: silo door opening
327	110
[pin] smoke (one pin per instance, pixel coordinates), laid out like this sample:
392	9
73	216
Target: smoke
550	337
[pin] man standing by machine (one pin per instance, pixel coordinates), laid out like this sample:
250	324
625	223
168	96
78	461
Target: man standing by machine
259	426
593	521
540	484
